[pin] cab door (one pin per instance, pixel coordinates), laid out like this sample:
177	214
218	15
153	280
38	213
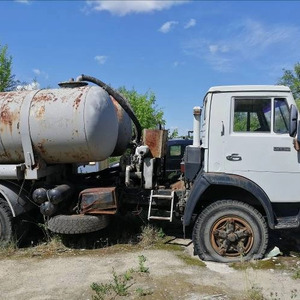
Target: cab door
258	146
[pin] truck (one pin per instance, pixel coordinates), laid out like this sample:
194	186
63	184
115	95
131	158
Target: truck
238	179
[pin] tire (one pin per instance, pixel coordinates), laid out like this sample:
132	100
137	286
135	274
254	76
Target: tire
6	223
228	231
76	224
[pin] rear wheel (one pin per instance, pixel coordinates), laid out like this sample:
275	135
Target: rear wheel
6	223
230	230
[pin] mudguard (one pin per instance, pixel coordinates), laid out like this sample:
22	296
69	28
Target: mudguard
204	180
16	197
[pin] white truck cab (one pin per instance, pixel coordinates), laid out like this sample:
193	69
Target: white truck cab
249	172
247	134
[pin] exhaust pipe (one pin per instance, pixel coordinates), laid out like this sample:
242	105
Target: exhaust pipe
196	135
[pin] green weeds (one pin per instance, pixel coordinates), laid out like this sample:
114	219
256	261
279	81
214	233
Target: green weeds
121	284
190	261
296	274
142	268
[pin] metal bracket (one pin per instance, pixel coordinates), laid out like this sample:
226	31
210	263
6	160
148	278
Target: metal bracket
25	130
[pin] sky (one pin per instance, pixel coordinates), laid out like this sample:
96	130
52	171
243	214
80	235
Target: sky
176	49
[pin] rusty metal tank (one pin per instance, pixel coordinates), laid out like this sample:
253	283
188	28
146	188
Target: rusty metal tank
124	130
66	125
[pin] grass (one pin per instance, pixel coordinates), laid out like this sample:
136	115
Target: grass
142	267
255	293
258	265
52	248
296	274
118	286
190	261
150	236
121	284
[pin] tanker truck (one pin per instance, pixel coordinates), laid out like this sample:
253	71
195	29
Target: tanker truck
238	179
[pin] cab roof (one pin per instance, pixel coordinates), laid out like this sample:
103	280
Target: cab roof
250	88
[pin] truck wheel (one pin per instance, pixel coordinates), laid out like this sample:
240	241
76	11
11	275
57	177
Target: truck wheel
228	231
6	223
76	224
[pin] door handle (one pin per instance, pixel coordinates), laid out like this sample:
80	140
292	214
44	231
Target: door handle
234	157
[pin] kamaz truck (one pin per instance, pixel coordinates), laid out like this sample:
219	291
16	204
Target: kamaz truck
238	180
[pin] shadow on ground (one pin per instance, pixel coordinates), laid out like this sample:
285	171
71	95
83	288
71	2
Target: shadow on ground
127	229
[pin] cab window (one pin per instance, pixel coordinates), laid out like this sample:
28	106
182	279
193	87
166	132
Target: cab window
252	115
175	150
281	116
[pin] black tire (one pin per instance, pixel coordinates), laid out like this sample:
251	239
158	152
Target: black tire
76	224
228	231
6	223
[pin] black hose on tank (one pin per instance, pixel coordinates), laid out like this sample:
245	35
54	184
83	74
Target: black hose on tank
119	98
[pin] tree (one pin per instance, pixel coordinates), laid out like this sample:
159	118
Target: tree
144	107
291	78
7	80
174	134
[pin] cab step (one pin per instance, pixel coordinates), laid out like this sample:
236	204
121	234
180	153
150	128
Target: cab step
157	196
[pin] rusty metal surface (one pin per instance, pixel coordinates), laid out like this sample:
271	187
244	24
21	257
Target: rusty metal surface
231	236
10	138
124	131
66	125
98	201
156	140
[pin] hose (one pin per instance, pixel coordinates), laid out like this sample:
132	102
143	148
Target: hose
119	98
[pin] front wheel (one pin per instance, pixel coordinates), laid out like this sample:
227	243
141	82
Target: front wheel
228	231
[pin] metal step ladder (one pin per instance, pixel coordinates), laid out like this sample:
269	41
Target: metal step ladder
160	197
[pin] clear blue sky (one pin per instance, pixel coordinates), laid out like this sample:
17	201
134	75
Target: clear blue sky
177	49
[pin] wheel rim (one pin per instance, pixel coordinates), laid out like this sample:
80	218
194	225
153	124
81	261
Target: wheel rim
231	236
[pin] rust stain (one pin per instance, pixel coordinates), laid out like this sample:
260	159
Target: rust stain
77	101
40	97
40	113
156	140
118	108
19	155
98	200
41	147
7	117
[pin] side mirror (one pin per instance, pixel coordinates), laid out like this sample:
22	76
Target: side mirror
293	120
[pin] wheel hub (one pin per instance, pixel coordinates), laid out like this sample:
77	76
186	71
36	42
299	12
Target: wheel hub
231	236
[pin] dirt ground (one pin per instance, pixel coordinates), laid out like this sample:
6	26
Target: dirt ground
68	274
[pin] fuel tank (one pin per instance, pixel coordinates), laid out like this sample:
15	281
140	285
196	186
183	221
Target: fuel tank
66	125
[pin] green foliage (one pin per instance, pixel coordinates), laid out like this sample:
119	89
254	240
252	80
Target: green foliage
145	108
150	236
128	274
7	82
174	134
255	293
142	268
291	78
240	122
190	261
120	285
296	275
101	290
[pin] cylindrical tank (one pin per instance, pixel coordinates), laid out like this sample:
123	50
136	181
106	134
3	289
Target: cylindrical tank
39	195
67	125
